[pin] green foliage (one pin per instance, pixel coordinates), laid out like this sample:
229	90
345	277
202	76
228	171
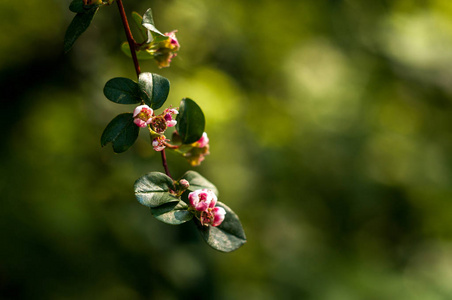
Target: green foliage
141	54
190	121
198	182
174	213
79	24
123	91
158	191
77	6
226	237
121	132
144	35
153	189
148	23
155	89
168	200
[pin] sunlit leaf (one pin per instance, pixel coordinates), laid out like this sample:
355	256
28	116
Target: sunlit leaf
123	91
153	189
226	237
190	121
148	23
155	89
173	213
198	182
121	132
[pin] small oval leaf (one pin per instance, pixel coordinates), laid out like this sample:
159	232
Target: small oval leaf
78	6
148	23
197	182
123	91
190	121
78	25
142	33
153	189
226	237
121	132
155	89
173	213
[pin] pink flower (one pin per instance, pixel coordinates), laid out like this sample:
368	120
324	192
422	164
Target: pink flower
159	143
173	40
202	142
202	200
213	216
196	155
142	115
218	216
165	50
169	112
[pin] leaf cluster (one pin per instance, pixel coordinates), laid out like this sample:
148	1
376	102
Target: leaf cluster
158	192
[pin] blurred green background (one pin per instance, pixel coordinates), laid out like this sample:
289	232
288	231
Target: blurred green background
330	126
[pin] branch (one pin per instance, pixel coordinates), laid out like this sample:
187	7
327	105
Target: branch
165	165
129	36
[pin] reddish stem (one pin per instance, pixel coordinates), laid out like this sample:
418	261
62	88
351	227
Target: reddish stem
165	165
132	44
170	146
129	36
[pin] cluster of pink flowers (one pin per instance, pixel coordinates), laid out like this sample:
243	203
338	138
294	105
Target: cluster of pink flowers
143	116
204	201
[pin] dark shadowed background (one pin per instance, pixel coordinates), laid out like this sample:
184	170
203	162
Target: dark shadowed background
330	126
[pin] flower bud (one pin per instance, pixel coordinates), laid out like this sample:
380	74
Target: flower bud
142	115
184	184
201	200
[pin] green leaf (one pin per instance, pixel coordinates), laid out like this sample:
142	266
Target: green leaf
121	132
142	35
141	54
123	91
226	237
153	189
148	23
190	121
77	6
155	89
173	213
78	25
197	182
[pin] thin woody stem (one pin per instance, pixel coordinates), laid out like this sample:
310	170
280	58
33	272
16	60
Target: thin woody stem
170	146
132	44
129	36
165	165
